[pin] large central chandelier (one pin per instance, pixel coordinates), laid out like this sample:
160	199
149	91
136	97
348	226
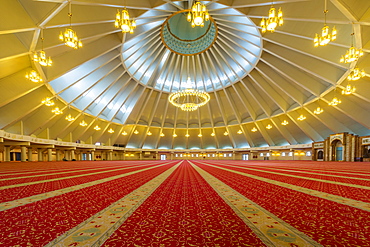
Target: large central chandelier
326	36
189	99
198	14
69	36
273	21
123	21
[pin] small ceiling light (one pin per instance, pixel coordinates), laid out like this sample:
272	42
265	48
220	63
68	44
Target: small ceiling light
33	76
254	129
149	133
273	20
240	132
97	128
83	123
226	133
174	135
335	101
198	14
284	123
301	117
111	131
213	134
200	135
124	133
69	118
269	126
318	110
56	111
123	21
187	135
161	135
325	37
349	89
136	132
69	37
41	57
356	74
47	101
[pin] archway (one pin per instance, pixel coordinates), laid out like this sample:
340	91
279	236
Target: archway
337	150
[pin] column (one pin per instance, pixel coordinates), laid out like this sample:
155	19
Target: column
50	154
6	153
92	155
67	155
73	156
23	153
30	158
88	156
39	155
57	155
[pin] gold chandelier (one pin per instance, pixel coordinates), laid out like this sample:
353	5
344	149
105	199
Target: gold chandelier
335	101
273	20
325	37
269	126
47	101
110	131
301	117
41	57
318	110
254	129
189	99
352	55
69	118
97	128
284	123
198	14
33	76
356	74
57	111
83	123
69	36
349	89
123	21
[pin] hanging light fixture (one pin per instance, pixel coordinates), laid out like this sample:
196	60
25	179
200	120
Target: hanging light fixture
69	36
47	101
353	54
57	111
161	135
41	57
97	128
226	133
33	76
325	37
198	14
69	118
174	134
349	89
356	74
213	134
83	123
200	134
136	132
123	21
272	21
301	117
124	133
239	132
111	131
189	99
149	133
254	129
269	126
284	123
318	110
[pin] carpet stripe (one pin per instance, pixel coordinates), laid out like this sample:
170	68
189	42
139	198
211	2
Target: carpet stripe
39	197
95	230
269	228
338	199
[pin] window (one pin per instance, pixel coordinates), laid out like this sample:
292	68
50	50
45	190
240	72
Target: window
290	153
308	153
230	155
261	154
268	154
282	154
176	155
180	155
245	157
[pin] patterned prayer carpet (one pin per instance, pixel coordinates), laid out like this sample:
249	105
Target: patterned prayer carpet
184	203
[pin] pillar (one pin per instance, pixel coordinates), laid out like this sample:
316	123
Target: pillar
6	153
73	156
67	154
30	158
57	155
92	155
39	154
23	153
50	154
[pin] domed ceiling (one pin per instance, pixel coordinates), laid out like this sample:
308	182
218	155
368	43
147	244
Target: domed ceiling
120	82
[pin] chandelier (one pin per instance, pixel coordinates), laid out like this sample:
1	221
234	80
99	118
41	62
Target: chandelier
97	128
240	132
111	131
33	76
353	54
335	101
56	111
318	110
269	126
301	117
348	90
273	21
213	134
123	21
47	101
198	14
41	57
83	123
254	129
69	36
356	74
189	99
124	133
284	123
149	133
136	132
161	135
69	118
325	37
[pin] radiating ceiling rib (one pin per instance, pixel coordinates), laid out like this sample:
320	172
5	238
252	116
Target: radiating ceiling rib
24	114
2	104
285	133
246	104
174	127
162	123
226	30
264	134
267	3
35	38
18	30
14	56
305	128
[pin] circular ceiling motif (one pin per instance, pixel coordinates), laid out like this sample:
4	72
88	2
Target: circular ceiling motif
221	53
178	35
